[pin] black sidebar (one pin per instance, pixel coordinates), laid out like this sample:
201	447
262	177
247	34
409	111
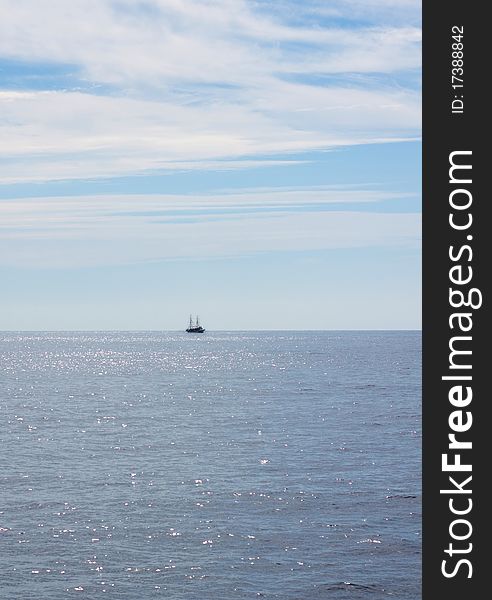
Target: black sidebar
457	353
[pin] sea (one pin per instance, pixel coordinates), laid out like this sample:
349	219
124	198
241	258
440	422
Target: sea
228	465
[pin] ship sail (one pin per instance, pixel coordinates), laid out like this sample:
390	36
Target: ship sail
194	327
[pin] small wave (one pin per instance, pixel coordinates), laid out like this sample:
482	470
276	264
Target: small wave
351	586
401	496
366	386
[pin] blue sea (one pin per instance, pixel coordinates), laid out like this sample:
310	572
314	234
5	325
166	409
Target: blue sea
222	466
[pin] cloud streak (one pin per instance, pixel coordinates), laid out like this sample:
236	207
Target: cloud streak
169	85
114	230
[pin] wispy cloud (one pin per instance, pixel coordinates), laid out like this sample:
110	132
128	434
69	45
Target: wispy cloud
173	84
232	41
208	239
91	231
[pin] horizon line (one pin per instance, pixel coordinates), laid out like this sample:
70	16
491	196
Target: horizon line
207	330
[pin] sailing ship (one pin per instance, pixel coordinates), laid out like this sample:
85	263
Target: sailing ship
194	327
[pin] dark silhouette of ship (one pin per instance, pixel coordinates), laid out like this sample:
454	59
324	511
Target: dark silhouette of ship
194	327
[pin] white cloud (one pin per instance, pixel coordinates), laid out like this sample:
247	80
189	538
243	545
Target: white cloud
102	230
204	239
180	84
67	135
126	41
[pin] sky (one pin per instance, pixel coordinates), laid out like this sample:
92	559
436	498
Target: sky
256	162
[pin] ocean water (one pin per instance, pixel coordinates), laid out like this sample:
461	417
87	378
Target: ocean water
139	465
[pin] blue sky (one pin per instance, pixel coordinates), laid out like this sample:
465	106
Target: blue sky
256	162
